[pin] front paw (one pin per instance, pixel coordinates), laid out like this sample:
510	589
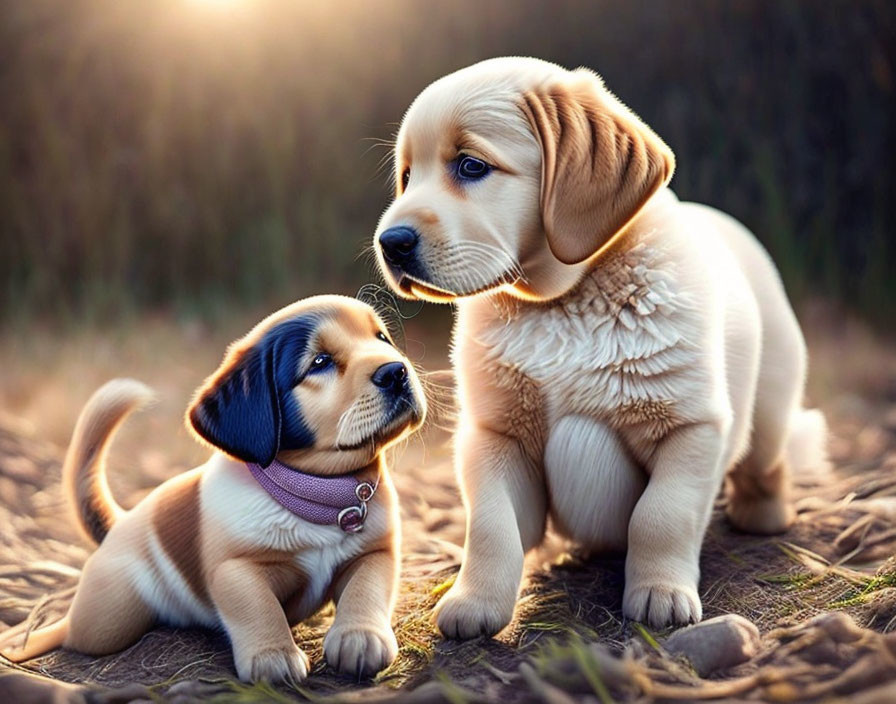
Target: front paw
360	651
461	615
663	604
274	665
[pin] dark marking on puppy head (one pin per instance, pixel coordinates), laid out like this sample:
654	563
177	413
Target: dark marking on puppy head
245	408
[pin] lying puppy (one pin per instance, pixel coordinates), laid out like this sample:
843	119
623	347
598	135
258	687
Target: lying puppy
295	507
616	350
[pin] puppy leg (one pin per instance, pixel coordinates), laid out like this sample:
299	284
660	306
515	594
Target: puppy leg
759	496
759	486
263	647
505	499
107	614
15	647
361	642
662	568
593	483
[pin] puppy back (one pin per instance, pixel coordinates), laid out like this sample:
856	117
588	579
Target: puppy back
84	471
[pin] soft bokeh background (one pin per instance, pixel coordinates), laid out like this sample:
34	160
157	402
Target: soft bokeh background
172	169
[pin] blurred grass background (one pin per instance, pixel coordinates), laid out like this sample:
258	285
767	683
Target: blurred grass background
197	156
172	170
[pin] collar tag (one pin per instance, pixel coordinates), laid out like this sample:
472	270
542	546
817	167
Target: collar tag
351	519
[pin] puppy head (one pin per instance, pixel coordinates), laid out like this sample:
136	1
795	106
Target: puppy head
512	173
318	384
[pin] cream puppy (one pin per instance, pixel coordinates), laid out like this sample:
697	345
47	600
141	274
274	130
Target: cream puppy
617	351
295	507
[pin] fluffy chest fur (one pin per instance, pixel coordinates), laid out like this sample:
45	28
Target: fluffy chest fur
615	348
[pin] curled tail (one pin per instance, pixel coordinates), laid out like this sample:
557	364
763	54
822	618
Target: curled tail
807	446
84	471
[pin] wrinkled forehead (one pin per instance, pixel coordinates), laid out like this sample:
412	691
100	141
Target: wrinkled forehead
344	328
340	318
463	111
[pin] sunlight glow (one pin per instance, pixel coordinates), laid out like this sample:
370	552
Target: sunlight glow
219	4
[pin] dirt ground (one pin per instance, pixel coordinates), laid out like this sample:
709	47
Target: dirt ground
823	596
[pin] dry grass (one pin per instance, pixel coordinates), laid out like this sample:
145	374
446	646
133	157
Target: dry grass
568	636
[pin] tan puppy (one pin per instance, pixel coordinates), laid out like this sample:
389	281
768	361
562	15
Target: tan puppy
246	541
616	350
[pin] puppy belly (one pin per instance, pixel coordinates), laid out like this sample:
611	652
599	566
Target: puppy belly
593	483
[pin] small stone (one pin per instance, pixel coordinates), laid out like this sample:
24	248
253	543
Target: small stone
189	691
19	686
716	644
129	694
839	627
185	687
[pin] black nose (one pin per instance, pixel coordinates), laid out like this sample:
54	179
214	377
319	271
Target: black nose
390	376
398	244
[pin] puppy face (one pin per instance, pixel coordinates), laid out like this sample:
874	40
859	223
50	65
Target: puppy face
318	384
511	174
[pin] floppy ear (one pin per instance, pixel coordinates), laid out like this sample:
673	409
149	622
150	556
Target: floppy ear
600	164
246	408
238	409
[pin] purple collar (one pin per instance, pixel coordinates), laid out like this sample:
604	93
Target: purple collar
339	501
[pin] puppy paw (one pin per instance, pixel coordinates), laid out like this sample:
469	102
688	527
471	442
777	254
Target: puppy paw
360	651
461	615
274	665
768	515
661	605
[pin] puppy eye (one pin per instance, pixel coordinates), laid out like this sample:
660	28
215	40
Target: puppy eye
405	178
469	168
382	336
320	363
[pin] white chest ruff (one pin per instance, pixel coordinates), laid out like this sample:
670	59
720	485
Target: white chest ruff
608	350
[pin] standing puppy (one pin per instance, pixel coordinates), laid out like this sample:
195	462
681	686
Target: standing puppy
616	350
295	507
